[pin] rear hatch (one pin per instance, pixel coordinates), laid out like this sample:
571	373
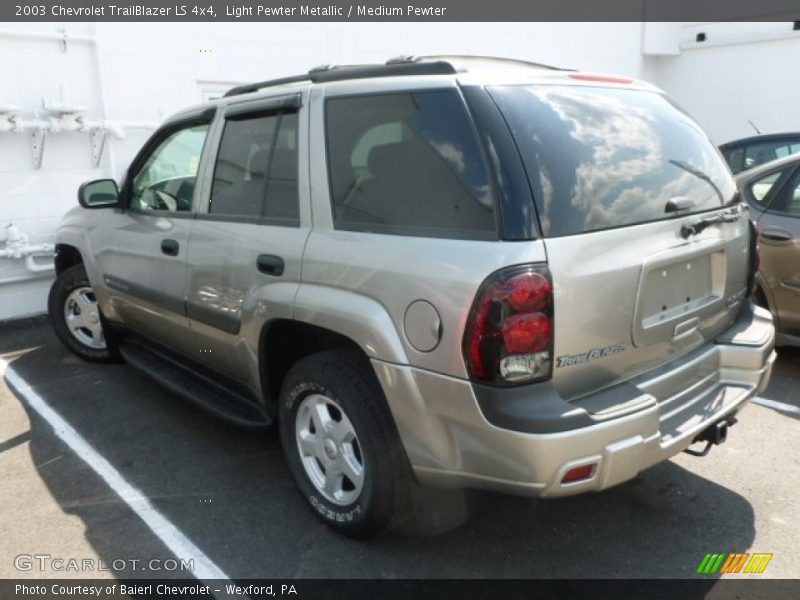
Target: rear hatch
646	244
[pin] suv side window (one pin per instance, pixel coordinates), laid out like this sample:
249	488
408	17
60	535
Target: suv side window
166	180
758	154
735	158
256	170
408	164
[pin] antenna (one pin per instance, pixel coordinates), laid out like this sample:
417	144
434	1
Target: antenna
753	125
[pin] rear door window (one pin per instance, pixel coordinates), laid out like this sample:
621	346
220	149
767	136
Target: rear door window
255	175
408	164
599	158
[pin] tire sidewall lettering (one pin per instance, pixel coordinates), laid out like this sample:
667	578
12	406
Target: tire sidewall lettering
301	390
331	513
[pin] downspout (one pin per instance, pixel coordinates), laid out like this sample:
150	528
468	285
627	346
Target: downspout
103	98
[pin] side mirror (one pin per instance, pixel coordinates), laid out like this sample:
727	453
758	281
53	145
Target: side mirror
100	193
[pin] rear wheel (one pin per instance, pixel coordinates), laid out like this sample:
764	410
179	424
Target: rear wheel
342	445
76	317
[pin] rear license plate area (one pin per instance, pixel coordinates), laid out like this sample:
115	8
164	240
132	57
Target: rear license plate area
673	291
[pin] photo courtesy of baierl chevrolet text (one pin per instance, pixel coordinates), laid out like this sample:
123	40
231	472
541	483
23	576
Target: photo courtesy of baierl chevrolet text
409	300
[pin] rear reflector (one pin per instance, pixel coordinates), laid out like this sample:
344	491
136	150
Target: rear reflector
599	78
578	474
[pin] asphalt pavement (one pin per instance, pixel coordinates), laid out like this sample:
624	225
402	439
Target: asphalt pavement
230	493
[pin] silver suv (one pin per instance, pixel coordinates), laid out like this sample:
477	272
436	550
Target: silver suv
459	272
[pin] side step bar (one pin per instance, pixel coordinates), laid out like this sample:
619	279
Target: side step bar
196	386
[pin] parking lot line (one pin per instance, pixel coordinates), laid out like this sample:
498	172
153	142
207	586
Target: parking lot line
781	406
182	547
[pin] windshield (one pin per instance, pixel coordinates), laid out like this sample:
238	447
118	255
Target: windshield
599	157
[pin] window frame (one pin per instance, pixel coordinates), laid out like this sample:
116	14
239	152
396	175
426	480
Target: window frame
273	105
185	121
433	233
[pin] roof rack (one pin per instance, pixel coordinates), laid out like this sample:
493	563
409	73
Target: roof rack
326	73
254	87
454	59
399	65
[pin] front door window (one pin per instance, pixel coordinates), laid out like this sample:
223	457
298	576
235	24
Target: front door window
166	181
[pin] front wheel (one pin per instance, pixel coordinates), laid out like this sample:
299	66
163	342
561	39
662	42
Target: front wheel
342	445
76	317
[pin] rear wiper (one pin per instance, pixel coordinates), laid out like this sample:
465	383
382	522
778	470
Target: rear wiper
700	175
729	216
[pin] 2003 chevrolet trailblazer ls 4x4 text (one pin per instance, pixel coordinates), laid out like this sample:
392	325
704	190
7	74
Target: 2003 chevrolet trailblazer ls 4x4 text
456	271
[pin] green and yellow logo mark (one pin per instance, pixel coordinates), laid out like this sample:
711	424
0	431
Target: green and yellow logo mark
736	562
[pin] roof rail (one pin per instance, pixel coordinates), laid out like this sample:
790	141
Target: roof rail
326	73
254	87
455	58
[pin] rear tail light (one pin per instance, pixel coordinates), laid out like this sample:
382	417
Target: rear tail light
755	256
509	335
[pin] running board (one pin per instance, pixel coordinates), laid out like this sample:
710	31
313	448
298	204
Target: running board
199	387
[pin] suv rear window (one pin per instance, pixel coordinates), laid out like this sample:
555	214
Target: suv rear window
408	164
599	158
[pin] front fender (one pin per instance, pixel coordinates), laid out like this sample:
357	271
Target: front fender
72	231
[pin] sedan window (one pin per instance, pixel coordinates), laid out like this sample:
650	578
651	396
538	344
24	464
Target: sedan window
762	188
790	199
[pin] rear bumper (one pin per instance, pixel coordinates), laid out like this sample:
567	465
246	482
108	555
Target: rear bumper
457	435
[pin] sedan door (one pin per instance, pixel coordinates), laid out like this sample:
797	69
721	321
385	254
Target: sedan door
779	224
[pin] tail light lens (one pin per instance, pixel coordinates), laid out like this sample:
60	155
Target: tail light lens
755	256
509	335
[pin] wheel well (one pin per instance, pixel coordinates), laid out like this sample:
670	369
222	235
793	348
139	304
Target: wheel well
284	342
66	257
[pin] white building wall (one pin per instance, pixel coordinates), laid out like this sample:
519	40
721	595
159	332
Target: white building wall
741	72
137	72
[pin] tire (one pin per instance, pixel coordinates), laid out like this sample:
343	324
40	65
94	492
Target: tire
85	334
361	434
